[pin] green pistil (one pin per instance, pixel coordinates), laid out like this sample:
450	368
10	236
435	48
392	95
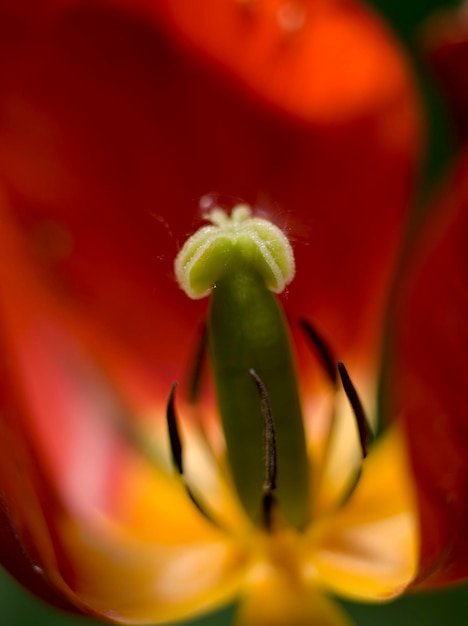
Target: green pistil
241	260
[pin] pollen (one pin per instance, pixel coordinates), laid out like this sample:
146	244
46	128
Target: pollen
230	242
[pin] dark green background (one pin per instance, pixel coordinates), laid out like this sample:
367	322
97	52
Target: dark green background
448	608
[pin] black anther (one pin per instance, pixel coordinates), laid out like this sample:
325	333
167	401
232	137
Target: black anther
321	348
269	453
366	435
173	430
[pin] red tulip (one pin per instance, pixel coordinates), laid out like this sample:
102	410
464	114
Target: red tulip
430	332
114	122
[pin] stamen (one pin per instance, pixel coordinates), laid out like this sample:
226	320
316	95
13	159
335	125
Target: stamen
173	430
270	456
321	348
366	435
198	505
177	453
346	497
197	368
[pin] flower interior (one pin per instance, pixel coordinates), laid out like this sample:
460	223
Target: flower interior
290	488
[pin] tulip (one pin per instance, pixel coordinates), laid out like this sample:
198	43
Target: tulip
125	497
430	331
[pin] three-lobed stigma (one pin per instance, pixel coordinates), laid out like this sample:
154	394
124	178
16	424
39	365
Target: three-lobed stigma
229	242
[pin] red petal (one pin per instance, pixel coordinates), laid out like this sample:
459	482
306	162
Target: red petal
446	44
361	135
111	130
18	541
430	378
64	463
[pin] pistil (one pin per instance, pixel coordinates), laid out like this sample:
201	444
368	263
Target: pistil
239	261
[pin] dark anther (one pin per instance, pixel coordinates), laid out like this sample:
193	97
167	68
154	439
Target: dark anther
268	505
200	508
365	432
351	487
269	452
269	439
196	372
176	452
322	349
174	437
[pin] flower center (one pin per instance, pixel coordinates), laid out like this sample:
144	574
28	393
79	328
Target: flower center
239	261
